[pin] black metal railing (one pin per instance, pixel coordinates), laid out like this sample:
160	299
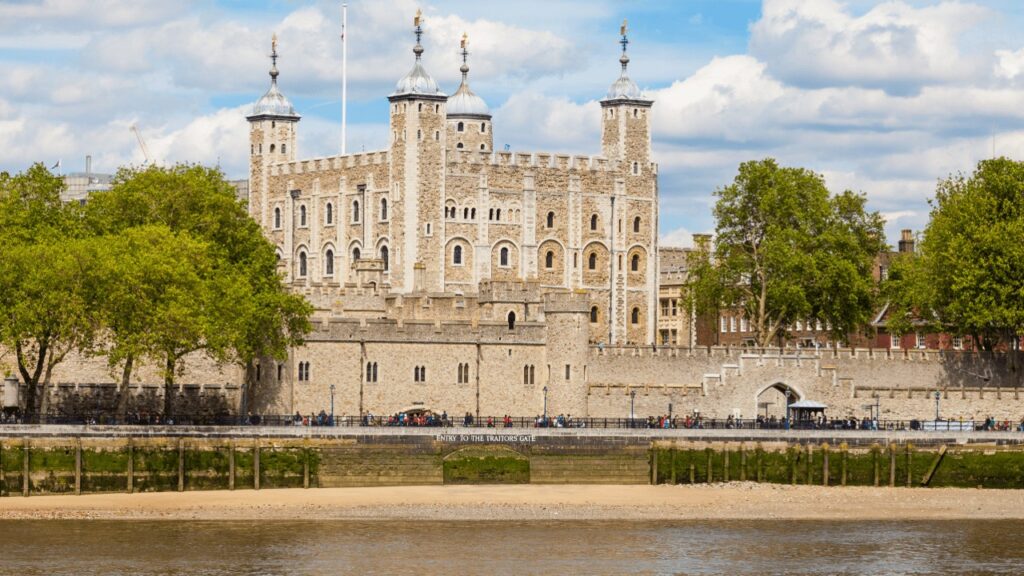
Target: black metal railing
403	420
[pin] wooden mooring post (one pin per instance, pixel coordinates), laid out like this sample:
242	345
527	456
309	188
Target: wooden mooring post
876	450
910	467
231	465
672	462
181	464
892	465
256	465
25	467
743	464
725	464
3	478
824	465
654	466
810	471
78	467
131	466
842	464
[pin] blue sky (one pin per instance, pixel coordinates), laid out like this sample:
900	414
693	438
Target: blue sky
879	97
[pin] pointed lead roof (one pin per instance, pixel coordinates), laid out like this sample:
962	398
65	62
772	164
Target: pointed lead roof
464	102
273	103
624	88
417	82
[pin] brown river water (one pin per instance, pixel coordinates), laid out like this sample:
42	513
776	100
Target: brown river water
29	547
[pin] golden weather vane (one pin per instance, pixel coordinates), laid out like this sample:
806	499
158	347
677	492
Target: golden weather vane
622	29
465	40
419	16
273	42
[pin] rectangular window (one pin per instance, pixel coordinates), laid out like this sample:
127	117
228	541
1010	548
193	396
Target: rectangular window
883	273
674	305
920	341
732	323
664	337
568	371
675	338
724	324
744	324
958	343
894	340
664	307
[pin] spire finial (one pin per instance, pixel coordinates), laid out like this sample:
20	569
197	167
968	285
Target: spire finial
465	67
418	49
273	59
624	59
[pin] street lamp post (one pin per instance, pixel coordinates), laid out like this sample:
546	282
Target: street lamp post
545	390
937	396
788	398
632	398
332	404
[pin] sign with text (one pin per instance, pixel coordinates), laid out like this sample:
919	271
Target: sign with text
487	438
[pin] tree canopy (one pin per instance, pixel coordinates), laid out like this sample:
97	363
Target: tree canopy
164	264
968	274
787	250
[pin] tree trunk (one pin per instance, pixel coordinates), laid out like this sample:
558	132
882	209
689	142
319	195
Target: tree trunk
124	395
169	386
248	387
31	380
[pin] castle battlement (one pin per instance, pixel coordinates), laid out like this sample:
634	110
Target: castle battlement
327	163
540	160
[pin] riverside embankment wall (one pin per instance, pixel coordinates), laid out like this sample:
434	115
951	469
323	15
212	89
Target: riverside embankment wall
72	460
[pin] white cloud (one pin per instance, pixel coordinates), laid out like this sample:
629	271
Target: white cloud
678	238
893	45
1009	63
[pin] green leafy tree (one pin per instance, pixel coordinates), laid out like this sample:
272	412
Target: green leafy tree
236	309
786	250
968	275
47	294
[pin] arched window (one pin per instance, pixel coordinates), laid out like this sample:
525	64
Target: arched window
483	127
503	259
635	317
490	214
549	260
302	264
592	261
329	263
277	217
593	313
636	224
355	254
460	127
511	320
593	222
551	219
355	210
636	168
383	209
302	215
457	255
483	147
634	263
460	146
472	214
526	374
330	213
384	257
497	214
465	213
271	148
284	148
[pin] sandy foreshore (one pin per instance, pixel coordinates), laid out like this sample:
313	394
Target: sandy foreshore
734	501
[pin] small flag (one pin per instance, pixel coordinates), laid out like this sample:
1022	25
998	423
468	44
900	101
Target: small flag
55	166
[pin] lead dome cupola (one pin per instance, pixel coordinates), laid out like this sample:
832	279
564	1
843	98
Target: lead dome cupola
465	102
624	88
273	103
417	82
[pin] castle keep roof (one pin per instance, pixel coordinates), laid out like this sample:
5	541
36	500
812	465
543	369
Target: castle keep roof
417	82
624	88
273	103
465	102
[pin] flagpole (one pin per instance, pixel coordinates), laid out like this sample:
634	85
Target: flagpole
344	74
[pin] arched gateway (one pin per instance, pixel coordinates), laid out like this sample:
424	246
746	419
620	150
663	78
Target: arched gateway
771	400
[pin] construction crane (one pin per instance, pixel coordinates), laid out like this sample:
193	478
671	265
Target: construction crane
142	144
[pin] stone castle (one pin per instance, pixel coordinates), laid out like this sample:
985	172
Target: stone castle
448	276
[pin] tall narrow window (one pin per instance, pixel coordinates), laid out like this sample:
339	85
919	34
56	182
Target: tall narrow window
457	255
330	213
383	209
277	218
636	316
465	213
593	222
355	210
551	219
634	263
302	215
511	320
384	257
503	259
549	260
636	224
369	371
593	313
460	127
526	374
592	261
472	214
355	254
302	264
497	214
329	262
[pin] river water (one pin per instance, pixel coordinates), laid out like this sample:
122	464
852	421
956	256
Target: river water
424	548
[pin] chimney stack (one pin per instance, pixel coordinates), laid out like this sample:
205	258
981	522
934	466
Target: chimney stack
701	240
88	165
906	241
